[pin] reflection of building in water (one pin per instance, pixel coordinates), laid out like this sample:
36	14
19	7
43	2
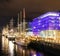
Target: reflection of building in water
11	48
4	39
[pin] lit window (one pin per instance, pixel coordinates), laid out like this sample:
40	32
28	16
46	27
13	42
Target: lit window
38	23
34	27
59	24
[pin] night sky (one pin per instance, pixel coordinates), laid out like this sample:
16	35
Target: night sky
11	7
34	8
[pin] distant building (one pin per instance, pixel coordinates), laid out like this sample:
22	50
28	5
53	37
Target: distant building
47	25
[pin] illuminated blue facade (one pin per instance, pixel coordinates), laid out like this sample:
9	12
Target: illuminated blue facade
48	21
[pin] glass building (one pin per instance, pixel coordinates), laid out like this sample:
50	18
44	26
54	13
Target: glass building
47	25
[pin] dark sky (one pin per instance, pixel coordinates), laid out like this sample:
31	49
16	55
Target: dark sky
34	8
11	7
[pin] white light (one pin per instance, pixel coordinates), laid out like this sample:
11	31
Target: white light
50	14
11	48
9	36
59	18
11	30
39	21
30	34
34	55
59	24
34	27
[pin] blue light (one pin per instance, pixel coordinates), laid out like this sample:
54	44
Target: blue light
37	54
48	21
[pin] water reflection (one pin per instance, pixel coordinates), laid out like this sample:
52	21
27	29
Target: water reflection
5	44
2	42
34	53
11	48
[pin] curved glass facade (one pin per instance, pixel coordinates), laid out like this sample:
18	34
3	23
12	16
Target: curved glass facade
46	24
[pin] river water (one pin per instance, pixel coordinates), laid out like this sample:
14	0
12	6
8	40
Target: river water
11	49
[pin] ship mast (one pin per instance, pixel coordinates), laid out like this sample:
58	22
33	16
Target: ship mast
20	22
11	23
23	19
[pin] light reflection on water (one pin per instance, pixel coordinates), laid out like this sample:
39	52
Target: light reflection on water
2	42
9	47
5	44
34	53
